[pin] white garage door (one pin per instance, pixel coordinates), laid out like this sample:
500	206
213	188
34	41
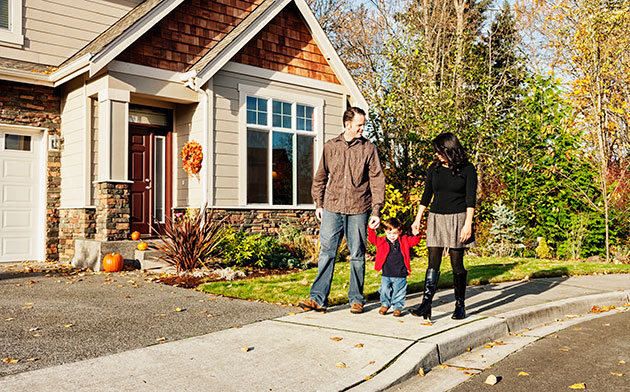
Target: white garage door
21	225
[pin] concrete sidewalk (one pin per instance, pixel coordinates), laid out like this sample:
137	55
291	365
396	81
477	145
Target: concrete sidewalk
335	351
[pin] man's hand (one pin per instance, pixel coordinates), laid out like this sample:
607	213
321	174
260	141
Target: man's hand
318	213
374	222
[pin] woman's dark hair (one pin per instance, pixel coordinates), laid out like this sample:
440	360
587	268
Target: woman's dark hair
349	114
448	145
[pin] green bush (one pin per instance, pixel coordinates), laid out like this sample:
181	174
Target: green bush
240	249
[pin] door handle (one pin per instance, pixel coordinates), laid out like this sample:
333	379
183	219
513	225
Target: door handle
147	187
147	180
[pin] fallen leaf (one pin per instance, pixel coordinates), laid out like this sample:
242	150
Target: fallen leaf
68	325
371	362
247	348
32	359
523	374
27	307
291	314
336	339
37	335
359	345
564	349
469	373
491	380
443	366
468	349
427	323
160	339
616	374
33	329
9	319
572	316
622	362
577	329
178	310
127	296
421	372
341	365
10	360
578	386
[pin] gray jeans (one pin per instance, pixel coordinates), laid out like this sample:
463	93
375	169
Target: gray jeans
331	231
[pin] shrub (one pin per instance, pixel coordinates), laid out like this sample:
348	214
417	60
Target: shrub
240	249
506	237
293	239
188	242
542	250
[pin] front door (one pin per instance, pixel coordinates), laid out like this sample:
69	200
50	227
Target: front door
149	170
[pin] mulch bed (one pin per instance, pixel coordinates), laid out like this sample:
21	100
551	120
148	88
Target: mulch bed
191	281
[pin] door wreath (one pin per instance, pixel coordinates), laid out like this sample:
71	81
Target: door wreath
192	156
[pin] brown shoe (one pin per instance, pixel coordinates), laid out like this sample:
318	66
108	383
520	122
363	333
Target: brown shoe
397	313
310	304
383	310
356	308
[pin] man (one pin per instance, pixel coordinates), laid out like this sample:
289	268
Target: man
348	182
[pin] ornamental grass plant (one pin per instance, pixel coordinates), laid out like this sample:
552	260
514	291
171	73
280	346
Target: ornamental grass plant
190	241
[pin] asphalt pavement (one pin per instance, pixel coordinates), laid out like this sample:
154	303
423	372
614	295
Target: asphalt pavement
214	343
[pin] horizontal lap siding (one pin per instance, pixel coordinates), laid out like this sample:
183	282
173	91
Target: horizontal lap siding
226	148
72	154
55	30
188	126
187	33
286	45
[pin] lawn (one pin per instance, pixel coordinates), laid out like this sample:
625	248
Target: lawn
294	287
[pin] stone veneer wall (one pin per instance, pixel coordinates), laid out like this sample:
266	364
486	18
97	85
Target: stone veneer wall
268	221
38	106
74	223
113	211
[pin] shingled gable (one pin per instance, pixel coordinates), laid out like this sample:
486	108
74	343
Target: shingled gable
239	22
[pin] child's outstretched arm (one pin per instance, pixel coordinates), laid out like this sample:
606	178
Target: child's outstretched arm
372	236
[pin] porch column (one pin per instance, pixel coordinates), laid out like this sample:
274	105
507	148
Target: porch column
113	134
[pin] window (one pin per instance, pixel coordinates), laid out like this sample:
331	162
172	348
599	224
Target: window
11	21
280	151
17	142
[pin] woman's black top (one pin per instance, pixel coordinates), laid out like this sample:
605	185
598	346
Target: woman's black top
451	194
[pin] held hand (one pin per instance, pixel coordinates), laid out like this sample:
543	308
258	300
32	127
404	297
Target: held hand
318	213
374	222
415	227
466	232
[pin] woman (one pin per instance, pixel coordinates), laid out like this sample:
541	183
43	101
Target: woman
452	184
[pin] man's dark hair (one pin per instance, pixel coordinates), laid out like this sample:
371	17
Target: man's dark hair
349	114
392	223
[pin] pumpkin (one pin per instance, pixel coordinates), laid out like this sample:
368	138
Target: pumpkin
135	235
143	246
113	262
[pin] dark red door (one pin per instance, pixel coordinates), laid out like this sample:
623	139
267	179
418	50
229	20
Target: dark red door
140	172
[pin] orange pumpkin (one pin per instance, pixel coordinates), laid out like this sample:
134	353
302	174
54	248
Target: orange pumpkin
113	262
143	246
135	235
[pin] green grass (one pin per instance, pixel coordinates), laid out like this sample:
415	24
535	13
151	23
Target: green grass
294	287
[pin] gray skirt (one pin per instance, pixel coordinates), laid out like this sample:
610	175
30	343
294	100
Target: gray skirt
443	231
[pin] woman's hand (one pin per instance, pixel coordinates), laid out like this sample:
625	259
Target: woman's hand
466	232
415	227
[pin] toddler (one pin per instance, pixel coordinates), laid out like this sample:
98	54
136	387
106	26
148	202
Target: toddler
392	257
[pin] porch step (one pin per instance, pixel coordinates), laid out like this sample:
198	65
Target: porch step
149	259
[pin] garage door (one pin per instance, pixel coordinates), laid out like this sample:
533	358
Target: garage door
21	225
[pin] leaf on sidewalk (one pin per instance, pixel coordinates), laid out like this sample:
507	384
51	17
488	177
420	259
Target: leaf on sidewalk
421	372
336	339
33	329
68	325
9	319
179	310
616	374
247	348
341	365
578	386
10	360
622	362
162	339
523	374
427	323
564	349
358	345
577	329
32	359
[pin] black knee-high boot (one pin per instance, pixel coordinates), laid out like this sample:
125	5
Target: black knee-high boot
430	285
459	281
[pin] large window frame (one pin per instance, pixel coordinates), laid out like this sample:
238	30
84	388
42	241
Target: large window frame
13	33
317	133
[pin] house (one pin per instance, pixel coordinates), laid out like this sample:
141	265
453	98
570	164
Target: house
98	98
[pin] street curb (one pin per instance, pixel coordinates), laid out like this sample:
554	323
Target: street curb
451	343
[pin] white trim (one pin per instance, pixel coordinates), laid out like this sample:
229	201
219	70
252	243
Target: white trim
144	71
14	34
318	135
129	36
87	145
43	181
17	75
210	144
331	55
237	44
276	76
111	180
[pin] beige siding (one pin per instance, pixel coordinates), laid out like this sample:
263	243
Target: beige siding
226	125
72	154
94	149
55	29
188	126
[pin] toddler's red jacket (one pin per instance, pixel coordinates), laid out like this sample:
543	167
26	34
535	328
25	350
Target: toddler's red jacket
382	248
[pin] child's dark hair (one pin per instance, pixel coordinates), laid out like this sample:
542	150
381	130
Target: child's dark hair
392	223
